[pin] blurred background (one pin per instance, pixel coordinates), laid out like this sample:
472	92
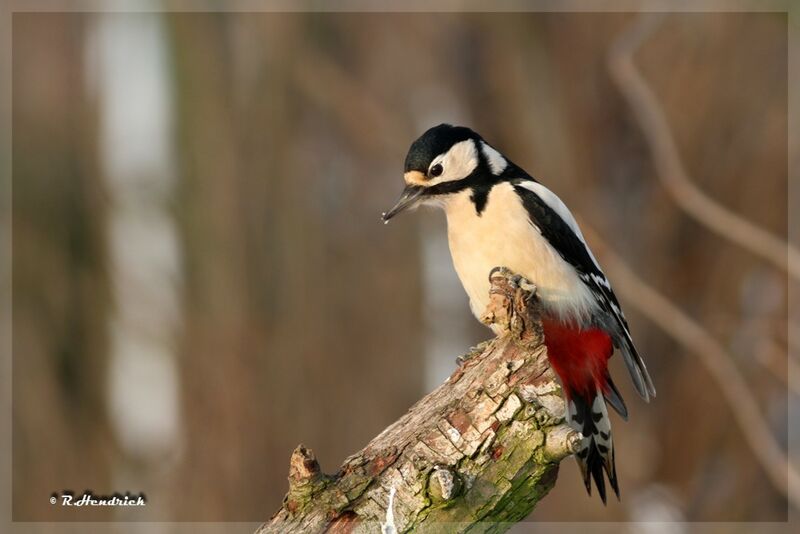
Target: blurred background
201	280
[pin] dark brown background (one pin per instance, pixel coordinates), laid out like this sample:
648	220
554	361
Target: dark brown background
299	317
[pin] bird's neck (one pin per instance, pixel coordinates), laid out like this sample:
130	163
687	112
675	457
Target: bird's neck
459	205
470	201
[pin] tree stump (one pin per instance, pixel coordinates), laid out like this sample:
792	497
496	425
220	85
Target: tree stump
476	454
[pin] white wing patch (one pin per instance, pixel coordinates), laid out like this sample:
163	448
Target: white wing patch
561	209
602	280
496	160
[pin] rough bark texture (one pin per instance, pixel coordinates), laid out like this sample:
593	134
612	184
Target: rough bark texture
475	455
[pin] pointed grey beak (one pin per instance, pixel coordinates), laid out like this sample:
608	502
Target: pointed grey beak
411	195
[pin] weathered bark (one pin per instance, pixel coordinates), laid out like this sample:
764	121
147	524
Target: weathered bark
474	455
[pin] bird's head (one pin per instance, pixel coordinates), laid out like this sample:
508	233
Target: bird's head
446	160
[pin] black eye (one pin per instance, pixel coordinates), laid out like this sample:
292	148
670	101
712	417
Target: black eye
436	170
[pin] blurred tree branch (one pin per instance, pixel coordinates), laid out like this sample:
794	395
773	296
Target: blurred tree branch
670	167
723	222
771	356
483	447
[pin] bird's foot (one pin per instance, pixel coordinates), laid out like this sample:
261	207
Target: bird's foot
516	281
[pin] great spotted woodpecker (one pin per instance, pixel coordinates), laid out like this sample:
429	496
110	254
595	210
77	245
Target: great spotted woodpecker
498	215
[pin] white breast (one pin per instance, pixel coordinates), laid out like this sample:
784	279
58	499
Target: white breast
504	236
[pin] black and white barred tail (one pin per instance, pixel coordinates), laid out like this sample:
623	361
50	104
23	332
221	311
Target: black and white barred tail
596	452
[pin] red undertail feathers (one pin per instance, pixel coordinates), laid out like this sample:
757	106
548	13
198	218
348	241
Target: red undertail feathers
579	356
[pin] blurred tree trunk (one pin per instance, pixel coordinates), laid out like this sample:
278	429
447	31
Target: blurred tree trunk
61	434
270	260
216	367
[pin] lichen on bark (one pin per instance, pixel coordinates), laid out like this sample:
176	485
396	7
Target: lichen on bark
474	455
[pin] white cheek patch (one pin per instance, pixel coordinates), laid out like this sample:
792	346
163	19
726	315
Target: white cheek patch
496	160
458	162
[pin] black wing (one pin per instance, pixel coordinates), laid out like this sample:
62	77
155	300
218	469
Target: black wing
571	246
